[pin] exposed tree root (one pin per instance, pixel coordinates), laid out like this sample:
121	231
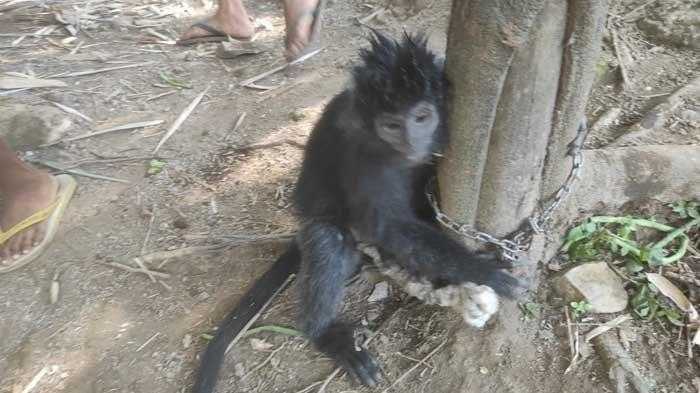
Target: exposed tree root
622	367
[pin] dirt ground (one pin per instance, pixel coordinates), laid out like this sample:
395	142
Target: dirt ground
113	330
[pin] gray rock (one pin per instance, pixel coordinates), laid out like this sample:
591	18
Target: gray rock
680	27
594	282
30	126
380	292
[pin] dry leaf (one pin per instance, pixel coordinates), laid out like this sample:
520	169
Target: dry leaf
260	345
671	291
607	326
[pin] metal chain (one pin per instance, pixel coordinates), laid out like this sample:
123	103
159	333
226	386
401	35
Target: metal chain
513	247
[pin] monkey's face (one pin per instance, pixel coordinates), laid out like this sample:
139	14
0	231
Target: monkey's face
411	132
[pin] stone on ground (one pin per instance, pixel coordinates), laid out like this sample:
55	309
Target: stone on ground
595	283
30	126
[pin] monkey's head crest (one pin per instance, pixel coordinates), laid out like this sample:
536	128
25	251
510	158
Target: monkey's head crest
393	73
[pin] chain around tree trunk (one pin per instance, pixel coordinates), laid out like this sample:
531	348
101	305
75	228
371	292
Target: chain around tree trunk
514	246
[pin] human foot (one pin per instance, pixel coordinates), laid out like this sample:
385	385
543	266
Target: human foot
232	24
34	192
302	25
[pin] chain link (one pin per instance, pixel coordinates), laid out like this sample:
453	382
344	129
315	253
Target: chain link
513	247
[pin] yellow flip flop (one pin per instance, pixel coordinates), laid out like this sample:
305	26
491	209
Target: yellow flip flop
52	213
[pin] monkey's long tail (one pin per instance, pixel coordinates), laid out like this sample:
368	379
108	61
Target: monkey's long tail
257	297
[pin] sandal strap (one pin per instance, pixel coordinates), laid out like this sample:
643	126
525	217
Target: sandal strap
34	219
209	29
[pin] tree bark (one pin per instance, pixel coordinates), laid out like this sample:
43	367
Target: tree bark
520	74
482	39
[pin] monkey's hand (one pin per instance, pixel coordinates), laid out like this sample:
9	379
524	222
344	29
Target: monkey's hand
338	343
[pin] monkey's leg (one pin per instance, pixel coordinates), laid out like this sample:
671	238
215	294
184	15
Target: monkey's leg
427	252
329	257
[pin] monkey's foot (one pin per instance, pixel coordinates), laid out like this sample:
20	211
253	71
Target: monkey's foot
303	18
30	216
338	343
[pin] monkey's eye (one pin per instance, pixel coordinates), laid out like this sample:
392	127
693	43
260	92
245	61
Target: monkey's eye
422	117
392	126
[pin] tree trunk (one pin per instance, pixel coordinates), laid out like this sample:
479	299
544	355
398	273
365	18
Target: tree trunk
520	75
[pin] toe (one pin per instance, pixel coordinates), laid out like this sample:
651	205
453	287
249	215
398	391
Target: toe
27	241
13	246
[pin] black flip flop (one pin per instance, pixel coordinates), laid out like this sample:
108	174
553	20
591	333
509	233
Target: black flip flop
215	35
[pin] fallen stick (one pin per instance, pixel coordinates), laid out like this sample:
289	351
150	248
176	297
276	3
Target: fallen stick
622	367
78	172
266	145
72	111
92	72
264	362
137	270
11	83
143	267
161	95
181	252
415	366
308	388
35	381
180	119
124	127
606	326
363	21
153	337
279	68
236	126
618	48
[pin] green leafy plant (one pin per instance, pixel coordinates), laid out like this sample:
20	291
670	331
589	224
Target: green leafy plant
616	237
530	309
155	167
648	305
686	209
580	308
617	234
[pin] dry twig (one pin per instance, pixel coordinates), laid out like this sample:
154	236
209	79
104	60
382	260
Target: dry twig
35	381
123	127
607	326
92	72
180	119
621	51
153	337
77	172
264	362
415	366
138	270
279	68
266	145
72	111
363	21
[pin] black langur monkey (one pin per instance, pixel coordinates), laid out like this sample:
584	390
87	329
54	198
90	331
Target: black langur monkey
363	179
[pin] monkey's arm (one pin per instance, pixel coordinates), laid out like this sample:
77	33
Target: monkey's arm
426	252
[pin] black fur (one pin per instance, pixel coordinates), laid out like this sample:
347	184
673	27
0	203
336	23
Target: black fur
354	186
249	306
363	181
